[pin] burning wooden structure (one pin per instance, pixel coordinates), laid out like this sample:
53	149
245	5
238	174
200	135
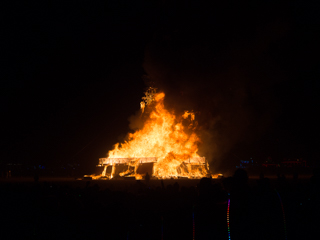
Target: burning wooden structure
172	137
138	167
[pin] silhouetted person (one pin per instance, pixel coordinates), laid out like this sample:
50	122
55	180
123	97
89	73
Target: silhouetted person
162	184
227	183
261	175
147	178
169	189
240	176
176	187
239	206
204	187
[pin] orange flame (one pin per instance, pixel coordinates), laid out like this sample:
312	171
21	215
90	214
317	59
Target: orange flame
163	136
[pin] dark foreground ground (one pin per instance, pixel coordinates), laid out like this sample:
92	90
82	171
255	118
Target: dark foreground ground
267	208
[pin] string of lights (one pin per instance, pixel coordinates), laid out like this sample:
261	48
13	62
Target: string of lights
283	215
228	222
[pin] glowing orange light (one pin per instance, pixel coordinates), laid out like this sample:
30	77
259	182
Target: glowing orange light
165	138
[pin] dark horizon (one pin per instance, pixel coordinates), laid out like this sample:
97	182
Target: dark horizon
73	74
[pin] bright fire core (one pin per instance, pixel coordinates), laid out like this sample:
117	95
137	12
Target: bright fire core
170	140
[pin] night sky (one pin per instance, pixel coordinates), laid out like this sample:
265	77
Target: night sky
72	73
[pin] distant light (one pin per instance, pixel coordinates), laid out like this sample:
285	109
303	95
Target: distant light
228	222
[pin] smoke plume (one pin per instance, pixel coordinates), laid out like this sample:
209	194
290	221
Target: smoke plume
228	86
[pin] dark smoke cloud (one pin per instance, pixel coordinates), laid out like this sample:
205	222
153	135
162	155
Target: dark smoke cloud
228	83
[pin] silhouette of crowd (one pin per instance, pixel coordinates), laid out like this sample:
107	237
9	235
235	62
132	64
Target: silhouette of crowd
259	209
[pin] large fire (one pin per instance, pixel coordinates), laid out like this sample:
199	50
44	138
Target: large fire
165	139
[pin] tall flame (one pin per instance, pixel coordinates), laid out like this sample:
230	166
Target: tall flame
163	136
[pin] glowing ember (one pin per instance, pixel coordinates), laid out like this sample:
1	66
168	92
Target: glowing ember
164	139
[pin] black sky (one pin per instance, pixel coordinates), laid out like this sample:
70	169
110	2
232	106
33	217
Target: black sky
72	75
